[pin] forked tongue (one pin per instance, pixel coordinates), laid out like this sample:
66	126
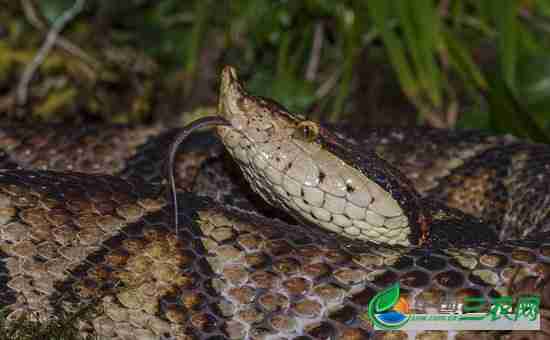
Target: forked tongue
229	89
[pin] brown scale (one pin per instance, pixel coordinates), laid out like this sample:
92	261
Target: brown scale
277	274
293	280
116	150
150	161
426	155
295	295
474	194
90	149
146	283
44	234
506	186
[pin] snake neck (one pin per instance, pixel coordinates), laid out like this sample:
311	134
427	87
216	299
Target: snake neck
432	223
389	178
318	175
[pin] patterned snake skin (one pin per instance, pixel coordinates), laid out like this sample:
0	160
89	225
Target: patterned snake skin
84	219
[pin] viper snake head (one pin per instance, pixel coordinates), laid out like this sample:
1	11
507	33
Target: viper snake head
314	174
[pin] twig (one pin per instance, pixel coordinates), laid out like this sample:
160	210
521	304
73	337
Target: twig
33	16
329	84
313	64
37	20
57	27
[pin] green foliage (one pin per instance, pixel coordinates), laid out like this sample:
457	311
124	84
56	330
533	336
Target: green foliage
457	62
62	328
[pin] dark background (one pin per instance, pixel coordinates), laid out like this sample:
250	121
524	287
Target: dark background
455	63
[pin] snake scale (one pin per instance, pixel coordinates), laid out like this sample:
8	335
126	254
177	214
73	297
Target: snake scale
84	218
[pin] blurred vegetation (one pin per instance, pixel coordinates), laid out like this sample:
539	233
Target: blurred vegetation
63	328
448	63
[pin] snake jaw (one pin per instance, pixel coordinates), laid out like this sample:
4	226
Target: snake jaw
292	163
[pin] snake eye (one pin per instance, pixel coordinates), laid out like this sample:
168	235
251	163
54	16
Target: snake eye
306	131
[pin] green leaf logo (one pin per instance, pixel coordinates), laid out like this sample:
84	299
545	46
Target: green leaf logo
381	311
386	299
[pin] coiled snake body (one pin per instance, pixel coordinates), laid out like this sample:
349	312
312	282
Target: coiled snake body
83	217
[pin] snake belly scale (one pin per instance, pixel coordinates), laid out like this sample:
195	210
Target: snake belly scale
90	223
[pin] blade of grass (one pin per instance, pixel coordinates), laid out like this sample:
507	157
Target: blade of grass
410	39
418	22
457	13
508	115
297	58
343	90
202	10
425	16
379	14
351	29
462	61
282	55
505	12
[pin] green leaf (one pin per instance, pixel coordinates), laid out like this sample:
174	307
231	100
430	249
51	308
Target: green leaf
508	115
534	79
386	299
202	13
460	58
533	86
542	7
379	12
470	119
427	21
504	12
457	12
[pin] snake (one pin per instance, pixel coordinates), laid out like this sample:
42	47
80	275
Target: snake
287	228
